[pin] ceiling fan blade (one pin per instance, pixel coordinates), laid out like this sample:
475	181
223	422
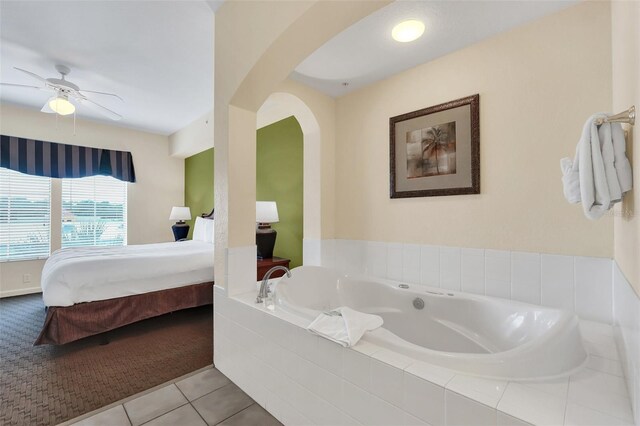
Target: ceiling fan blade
21	85
103	93
104	110
36	76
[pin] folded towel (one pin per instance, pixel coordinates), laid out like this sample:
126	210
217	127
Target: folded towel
587	172
344	325
608	159
570	181
600	174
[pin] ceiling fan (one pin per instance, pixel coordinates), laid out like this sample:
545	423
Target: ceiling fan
64	92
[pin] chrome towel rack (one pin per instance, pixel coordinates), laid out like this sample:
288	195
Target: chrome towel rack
628	116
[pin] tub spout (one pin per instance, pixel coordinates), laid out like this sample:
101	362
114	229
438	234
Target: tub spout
264	287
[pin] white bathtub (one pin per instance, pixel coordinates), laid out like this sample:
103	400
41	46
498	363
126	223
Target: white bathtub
477	335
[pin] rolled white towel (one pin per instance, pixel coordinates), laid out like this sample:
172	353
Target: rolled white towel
344	325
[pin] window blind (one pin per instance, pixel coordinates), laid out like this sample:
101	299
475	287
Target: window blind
25	216
94	212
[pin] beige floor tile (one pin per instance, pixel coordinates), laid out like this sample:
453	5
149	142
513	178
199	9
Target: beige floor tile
221	404
154	404
183	416
115	416
202	383
253	415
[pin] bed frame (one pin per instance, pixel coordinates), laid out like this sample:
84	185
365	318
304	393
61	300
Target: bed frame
64	324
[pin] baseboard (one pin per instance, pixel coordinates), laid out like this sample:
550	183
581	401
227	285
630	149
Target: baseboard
19	292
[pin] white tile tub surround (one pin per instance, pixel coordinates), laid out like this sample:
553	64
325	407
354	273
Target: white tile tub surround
627	337
303	379
473	271
580	284
498	273
311	252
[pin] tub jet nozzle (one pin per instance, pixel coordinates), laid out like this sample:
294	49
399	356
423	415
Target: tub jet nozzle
418	303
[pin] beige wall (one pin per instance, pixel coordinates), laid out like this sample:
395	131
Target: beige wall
537	85
159	186
194	138
625	19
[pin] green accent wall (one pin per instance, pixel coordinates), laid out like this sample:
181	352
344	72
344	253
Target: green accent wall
279	178
198	184
279	174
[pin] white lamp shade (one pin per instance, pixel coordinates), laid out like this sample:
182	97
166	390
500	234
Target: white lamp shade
61	105
266	212
180	213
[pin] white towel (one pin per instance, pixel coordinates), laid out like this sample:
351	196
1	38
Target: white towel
593	177
570	180
344	325
623	168
608	159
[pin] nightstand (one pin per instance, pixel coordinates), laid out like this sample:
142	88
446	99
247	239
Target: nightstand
265	264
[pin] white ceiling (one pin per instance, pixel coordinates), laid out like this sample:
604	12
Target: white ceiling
366	53
157	55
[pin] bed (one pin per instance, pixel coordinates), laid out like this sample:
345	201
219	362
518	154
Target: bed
90	290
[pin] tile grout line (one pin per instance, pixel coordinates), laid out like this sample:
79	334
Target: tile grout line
196	410
192	406
125	413
244	409
566	406
156	417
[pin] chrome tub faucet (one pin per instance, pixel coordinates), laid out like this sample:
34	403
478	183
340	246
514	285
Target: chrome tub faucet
264	287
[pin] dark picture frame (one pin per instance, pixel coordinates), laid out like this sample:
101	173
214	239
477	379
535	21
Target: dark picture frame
435	151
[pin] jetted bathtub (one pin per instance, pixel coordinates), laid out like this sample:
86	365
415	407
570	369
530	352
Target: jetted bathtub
478	335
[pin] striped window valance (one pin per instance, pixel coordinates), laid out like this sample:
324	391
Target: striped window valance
59	160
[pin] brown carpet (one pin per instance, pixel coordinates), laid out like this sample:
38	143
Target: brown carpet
46	385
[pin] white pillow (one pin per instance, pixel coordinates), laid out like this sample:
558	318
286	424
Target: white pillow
200	229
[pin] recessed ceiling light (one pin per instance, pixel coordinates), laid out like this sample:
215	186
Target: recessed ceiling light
407	31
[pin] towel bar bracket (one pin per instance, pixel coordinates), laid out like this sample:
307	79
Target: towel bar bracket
628	116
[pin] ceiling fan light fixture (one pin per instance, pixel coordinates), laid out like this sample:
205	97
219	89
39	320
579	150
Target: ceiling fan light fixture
61	105
407	31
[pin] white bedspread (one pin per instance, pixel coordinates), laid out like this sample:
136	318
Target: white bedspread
86	274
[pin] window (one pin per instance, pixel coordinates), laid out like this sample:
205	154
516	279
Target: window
94	212
25	216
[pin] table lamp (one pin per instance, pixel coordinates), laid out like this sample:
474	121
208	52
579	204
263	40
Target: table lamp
180	229
266	214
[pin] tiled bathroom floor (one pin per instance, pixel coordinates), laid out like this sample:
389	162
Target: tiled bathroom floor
205	398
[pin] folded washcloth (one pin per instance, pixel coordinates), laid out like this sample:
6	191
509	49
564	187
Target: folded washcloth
344	325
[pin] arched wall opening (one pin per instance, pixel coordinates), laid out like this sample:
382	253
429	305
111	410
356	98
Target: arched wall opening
279	106
285	33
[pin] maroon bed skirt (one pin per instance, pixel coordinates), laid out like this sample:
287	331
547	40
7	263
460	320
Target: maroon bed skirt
69	323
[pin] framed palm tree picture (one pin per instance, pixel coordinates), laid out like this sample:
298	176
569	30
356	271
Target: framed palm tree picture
435	151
